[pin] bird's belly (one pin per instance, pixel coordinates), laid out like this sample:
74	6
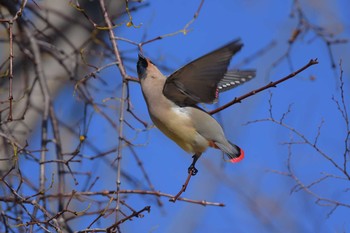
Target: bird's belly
177	126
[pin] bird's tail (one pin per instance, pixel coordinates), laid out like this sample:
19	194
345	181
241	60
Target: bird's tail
234	152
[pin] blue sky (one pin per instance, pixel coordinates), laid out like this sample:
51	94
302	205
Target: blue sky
257	198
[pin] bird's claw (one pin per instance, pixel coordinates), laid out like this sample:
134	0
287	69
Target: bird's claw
192	170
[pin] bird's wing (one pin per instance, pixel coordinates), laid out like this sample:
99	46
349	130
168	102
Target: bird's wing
234	78
197	82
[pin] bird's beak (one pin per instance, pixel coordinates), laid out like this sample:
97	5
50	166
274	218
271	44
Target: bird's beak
142	65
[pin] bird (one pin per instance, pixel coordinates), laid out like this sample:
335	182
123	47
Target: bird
172	101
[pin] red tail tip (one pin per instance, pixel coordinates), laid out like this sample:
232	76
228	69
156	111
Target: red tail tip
239	158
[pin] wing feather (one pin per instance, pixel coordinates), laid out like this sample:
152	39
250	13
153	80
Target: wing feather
197	82
235	78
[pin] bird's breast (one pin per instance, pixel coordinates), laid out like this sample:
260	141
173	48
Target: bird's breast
176	123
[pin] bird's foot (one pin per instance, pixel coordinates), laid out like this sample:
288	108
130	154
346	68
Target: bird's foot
192	170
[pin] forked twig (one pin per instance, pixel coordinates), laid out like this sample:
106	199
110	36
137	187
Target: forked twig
185	29
183	189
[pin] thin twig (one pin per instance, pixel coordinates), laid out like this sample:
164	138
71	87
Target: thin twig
134	214
122	191
10	76
184	30
123	95
183	188
46	102
271	84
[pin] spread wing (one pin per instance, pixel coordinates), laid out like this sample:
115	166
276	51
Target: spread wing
197	82
234	78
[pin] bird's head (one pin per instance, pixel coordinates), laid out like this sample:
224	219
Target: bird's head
146	67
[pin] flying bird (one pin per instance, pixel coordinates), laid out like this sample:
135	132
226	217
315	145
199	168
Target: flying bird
172	101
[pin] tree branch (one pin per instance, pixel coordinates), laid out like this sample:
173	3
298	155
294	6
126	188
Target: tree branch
271	84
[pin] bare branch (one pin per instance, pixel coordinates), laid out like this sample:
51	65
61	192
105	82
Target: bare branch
271	84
